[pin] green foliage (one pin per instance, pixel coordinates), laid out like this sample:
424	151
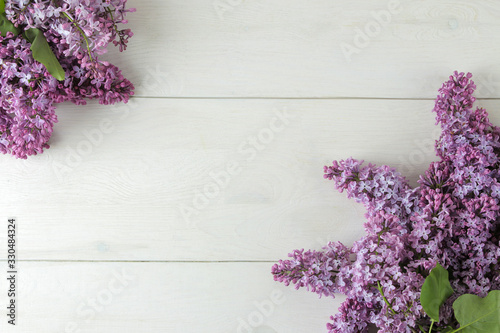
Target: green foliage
476	314
39	47
43	54
6	26
435	291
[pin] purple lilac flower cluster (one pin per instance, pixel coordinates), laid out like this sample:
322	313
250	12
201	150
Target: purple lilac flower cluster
452	218
78	32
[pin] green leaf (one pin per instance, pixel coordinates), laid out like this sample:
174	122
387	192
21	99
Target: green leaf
476	314
435	291
6	26
2	6
43	54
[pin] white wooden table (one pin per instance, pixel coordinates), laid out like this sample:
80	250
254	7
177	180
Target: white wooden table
166	214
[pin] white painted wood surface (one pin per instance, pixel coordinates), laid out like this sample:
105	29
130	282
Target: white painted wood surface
161	297
214	170
293	48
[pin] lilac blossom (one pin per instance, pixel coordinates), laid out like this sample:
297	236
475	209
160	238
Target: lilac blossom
451	218
78	33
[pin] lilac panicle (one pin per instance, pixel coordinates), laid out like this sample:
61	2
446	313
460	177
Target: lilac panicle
451	218
378	188
315	270
78	33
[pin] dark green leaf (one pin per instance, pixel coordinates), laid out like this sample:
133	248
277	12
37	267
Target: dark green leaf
43	54
2	6
435	291
476	314
6	26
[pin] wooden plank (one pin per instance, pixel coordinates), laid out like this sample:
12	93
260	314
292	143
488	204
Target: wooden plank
161	297
292	48
229	178
205	179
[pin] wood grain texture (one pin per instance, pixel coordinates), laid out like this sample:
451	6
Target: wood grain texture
161	183
162	297
293	48
214	170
